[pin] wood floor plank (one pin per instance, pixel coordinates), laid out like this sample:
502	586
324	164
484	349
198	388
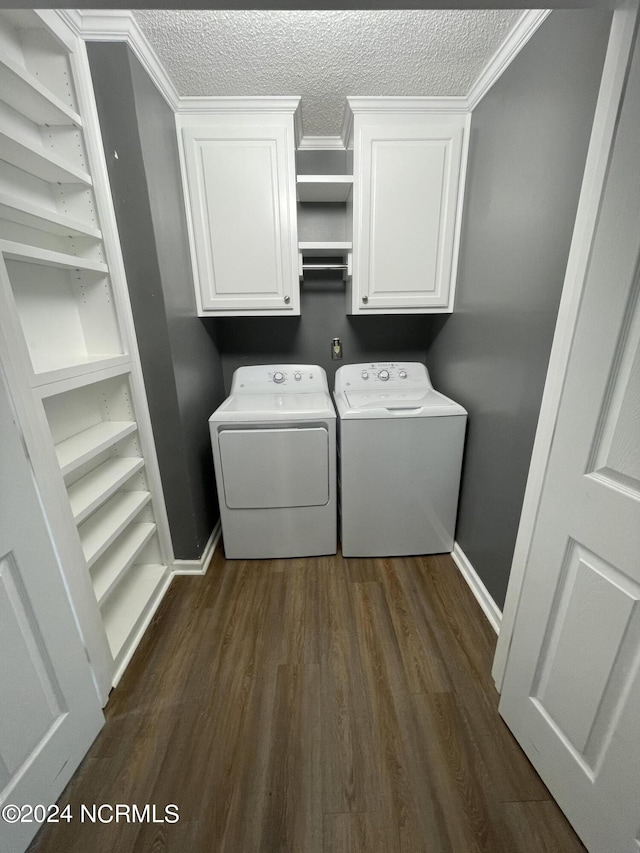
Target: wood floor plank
313	705
424	665
466	637
530	822
412	819
356	832
292	817
351	780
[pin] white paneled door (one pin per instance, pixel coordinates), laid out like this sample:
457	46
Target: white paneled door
571	692
49	707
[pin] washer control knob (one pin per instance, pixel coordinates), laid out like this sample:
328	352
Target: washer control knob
383	375
278	377
402	374
297	376
364	374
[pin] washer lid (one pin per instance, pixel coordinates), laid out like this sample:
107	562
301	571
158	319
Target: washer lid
394	403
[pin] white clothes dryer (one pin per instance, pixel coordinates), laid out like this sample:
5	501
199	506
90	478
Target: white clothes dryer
274	452
400	457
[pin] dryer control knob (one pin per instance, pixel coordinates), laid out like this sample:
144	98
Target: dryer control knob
383	375
278	377
402	374
364	374
297	376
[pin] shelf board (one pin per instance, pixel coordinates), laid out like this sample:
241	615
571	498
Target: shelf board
70	367
106	524
324	188
92	490
39	161
111	569
25	93
46	257
42	219
325	248
128	605
79	448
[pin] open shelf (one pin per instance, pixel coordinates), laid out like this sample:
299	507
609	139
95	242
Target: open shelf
39	161
80	448
324	188
46	257
111	568
74	368
92	490
26	94
325	248
44	219
104	526
129	603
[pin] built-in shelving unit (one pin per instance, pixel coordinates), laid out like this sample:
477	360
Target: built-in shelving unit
323	198
90	492
63	307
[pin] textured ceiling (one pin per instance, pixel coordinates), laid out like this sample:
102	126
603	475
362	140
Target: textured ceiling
325	55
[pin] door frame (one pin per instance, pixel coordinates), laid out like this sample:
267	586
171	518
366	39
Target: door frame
610	98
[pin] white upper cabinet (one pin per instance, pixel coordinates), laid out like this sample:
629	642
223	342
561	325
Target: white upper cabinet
238	160
409	164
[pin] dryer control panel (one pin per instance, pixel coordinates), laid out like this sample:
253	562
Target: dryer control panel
283	378
394	375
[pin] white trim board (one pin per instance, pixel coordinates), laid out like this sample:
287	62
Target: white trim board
477	587
199	567
602	136
120	25
505	54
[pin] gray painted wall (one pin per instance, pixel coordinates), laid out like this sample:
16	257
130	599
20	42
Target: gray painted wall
180	362
529	141
307	339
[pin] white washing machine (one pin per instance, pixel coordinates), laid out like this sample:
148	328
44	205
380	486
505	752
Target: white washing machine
274	453
400	455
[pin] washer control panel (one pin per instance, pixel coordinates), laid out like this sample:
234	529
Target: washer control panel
390	374
287	378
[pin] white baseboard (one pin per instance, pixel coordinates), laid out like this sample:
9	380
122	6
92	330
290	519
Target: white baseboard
479	590
199	567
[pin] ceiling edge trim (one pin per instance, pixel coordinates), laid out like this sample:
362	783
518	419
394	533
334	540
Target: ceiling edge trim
515	41
120	25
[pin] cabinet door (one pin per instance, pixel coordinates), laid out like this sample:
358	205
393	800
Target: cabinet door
405	214
241	190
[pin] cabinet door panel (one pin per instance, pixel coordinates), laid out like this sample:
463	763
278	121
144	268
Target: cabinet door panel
242	226
408	197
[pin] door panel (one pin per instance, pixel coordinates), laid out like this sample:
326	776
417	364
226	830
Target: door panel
409	185
50	709
240	184
571	692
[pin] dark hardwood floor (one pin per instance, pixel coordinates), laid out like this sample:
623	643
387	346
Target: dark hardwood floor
313	706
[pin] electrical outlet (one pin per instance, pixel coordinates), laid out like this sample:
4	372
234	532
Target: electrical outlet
336	349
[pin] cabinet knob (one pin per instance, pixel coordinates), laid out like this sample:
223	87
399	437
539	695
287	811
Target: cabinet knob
287	300
365	299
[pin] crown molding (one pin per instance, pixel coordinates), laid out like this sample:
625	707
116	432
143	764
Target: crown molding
238	104
120	25
528	24
406	105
